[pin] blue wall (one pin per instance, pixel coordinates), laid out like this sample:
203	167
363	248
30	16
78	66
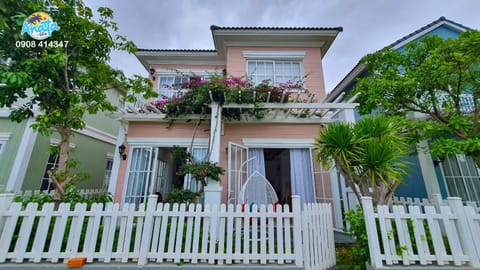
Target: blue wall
414	185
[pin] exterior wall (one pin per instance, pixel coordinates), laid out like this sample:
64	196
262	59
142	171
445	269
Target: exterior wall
234	132
10	152
91	153
312	65
155	130
101	120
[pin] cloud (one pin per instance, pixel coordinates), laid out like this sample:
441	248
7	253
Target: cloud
368	25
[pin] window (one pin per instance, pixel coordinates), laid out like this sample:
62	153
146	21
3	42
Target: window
274	70
3	141
171	86
139	174
148	173
462	177
108	173
52	163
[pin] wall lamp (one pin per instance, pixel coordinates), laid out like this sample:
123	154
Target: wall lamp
121	151
152	73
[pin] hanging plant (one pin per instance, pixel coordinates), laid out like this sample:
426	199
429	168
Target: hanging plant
222	89
201	171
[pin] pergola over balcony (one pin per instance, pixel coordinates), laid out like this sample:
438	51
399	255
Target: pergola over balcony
294	111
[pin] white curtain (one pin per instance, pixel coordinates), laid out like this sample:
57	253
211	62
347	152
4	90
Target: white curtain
301	175
258	163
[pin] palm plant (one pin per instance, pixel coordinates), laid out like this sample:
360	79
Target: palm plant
369	155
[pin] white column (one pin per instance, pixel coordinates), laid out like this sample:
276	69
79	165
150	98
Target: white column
213	191
428	171
22	159
112	184
349	116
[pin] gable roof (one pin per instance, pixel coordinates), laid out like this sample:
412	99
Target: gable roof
321	37
359	68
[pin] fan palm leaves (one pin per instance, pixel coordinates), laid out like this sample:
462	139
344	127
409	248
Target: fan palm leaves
369	155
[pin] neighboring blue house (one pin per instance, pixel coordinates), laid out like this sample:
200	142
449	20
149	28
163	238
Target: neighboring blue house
456	175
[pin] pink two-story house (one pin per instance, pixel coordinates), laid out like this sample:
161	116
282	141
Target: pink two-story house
279	145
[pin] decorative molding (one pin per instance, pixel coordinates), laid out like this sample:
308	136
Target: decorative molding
277	143
279	55
185	62
97	134
55	142
201	72
424	31
166	142
5	136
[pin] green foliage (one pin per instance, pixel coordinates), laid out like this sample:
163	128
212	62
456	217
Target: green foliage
435	78
201	170
356	220
369	154
181	196
223	89
62	82
180	154
72	196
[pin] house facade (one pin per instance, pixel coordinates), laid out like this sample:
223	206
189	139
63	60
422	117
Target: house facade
24	155
278	146
456	176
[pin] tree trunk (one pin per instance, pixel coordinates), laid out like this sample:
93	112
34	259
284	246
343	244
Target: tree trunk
61	178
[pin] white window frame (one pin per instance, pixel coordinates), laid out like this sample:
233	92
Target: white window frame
275	57
108	170
48	166
4	137
184	73
460	160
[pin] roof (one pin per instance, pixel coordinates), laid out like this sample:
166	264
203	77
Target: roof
215	27
175	50
359	67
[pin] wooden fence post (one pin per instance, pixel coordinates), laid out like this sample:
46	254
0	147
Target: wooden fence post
465	234
147	229
371	226
6	200
297	233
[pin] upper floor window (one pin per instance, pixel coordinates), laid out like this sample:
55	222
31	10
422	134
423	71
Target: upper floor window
171	85
275	66
275	71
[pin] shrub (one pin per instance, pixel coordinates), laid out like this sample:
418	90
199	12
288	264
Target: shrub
181	196
356	220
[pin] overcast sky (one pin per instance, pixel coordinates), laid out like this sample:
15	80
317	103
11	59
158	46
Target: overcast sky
368	25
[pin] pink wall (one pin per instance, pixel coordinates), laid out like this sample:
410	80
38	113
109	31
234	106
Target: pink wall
234	132
312	65
155	130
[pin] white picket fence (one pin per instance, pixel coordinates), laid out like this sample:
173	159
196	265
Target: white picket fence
448	234
436	201
168	233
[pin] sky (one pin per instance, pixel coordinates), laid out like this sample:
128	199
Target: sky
368	25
